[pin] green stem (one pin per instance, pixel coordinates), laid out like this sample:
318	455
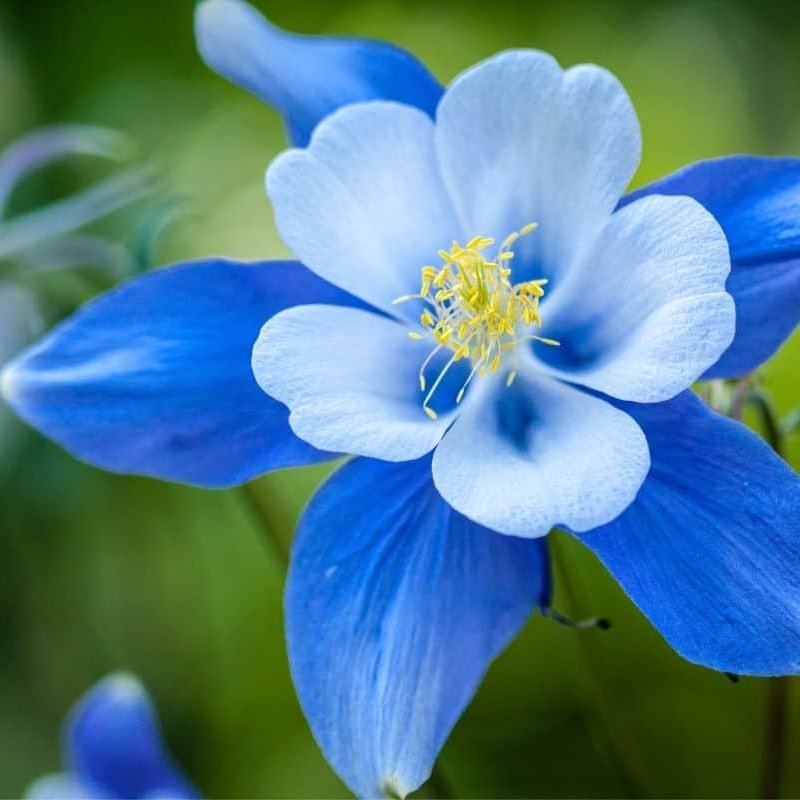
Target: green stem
439	786
255	506
772	428
619	743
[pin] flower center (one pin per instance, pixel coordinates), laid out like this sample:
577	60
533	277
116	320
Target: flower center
475	311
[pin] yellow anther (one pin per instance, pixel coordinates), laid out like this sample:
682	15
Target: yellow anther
475	310
510	239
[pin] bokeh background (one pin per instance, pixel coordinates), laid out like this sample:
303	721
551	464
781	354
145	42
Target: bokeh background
99	572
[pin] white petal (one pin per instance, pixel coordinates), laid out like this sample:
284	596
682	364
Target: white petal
350	380
645	313
520	140
540	454
364	206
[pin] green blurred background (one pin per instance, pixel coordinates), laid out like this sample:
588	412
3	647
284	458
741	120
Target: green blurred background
181	586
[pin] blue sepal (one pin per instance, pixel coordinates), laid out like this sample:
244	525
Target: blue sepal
756	200
154	377
395	605
710	549
305	78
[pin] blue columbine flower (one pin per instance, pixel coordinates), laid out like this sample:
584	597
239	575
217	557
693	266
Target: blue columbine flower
113	750
501	338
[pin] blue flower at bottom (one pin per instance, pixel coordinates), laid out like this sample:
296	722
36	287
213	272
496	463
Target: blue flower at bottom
113	750
544	381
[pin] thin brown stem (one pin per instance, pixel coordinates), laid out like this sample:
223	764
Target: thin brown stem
775	737
737	404
777	722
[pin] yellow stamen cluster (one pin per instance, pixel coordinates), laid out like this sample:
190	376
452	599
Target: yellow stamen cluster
474	310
